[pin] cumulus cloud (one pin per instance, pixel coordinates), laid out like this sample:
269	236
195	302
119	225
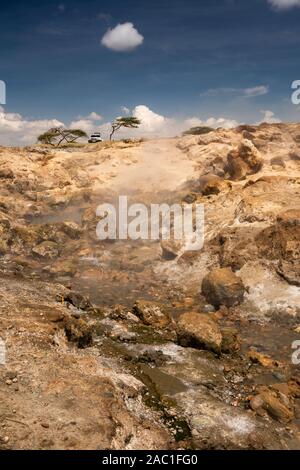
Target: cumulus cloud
220	122
87	123
157	125
269	117
16	130
94	116
241	92
123	38
151	122
284	4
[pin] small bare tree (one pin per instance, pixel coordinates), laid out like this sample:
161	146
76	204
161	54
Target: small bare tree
129	122
57	135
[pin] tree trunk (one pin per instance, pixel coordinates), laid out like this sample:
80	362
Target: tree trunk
111	135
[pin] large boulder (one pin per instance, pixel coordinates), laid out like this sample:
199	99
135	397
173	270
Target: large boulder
200	331
243	161
223	287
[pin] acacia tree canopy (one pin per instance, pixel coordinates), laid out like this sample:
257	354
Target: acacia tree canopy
199	130
56	136
129	122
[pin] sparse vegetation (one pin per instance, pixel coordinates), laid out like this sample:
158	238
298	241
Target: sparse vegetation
130	122
58	136
199	130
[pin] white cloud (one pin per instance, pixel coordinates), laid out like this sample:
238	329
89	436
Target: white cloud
16	130
193	122
220	122
284	4
269	117
123	38
87	125
125	110
156	125
94	116
151	122
210	122
258	90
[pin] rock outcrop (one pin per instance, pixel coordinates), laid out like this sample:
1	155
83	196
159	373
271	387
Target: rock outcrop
223	287
200	331
244	161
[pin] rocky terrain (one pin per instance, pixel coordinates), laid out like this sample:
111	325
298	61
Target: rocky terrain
141	344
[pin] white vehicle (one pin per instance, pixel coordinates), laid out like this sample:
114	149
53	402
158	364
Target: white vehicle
95	138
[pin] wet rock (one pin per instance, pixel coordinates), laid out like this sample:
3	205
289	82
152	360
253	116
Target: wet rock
72	229
62	267
119	312
272	403
24	237
259	358
52	232
171	249
236	245
294	386
122	333
79	332
290	272
151	314
223	287
231	341
89	219
78	300
243	161
212	184
200	331
47	249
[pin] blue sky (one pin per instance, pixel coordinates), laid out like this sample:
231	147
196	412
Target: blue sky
196	59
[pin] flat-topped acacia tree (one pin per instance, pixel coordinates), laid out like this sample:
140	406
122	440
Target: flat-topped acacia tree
129	122
58	135
199	130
